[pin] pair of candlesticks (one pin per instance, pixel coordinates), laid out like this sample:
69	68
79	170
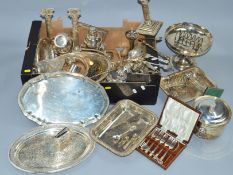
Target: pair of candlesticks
53	46
62	43
61	40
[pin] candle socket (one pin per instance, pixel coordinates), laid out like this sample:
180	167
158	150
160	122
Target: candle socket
131	35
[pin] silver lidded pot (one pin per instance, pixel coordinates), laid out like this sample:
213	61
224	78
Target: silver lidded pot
216	113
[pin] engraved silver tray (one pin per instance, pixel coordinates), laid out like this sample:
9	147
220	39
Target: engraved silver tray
123	129
48	149
63	97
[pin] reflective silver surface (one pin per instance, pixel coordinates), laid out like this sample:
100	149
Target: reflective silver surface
63	98
93	63
213	109
215	115
62	44
41	151
186	85
44	51
48	66
93	39
47	15
98	63
123	129
74	63
61	40
188	39
138	51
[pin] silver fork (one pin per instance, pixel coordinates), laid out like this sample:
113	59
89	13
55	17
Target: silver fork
171	144
158	138
163	140
155	133
145	147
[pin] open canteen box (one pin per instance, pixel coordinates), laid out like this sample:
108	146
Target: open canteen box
172	133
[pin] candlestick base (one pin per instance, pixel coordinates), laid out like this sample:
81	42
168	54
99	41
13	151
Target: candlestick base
149	28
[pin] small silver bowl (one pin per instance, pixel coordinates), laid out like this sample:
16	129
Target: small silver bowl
216	113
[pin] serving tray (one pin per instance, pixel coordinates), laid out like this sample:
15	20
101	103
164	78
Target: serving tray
188	39
186	85
51	148
63	97
124	127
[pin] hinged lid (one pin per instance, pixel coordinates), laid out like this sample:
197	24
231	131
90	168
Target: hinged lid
179	119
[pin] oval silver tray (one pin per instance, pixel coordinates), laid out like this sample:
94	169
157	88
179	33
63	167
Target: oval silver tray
44	151
188	39
63	97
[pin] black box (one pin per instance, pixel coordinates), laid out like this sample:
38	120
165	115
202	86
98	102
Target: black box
141	88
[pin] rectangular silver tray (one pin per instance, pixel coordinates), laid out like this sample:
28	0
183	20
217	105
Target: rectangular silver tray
186	85
123	129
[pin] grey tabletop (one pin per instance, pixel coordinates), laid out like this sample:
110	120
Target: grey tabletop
200	157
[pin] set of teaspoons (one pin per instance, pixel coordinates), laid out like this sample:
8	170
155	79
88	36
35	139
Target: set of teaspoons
159	145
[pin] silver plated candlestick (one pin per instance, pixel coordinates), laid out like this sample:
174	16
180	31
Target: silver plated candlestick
47	15
74	14
148	27
131	35
44	50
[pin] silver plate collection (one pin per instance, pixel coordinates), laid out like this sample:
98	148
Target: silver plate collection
67	98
